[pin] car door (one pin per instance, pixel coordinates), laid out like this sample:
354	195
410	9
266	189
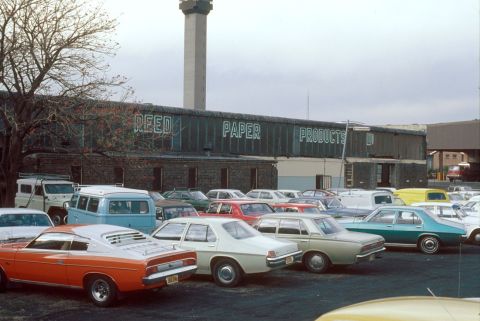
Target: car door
381	224
295	231
202	239
44	259
407	228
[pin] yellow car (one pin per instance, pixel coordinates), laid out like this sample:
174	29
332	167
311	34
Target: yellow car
416	195
409	308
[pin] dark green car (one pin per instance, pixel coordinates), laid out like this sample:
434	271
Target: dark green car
194	197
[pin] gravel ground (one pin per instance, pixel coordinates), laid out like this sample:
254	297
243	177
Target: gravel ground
288	294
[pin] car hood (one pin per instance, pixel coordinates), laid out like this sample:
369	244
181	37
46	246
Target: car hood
359	237
18	232
265	244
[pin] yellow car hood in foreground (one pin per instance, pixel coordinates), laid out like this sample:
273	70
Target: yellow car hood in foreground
410	308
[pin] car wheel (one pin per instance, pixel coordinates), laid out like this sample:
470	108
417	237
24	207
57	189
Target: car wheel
3	281
429	244
57	217
475	238
102	291
316	262
227	273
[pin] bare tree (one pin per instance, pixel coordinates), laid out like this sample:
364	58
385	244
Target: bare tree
52	55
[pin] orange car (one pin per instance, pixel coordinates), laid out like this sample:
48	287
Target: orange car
248	211
297	207
102	259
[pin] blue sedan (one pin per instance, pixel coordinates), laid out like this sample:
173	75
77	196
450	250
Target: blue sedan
411	227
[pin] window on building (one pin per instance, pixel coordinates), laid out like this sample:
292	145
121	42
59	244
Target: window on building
157	184
224	178
76	173
454	156
323	181
118	175
370	139
192	177
253	178
447	156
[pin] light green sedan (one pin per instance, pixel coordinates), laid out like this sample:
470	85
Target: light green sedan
324	242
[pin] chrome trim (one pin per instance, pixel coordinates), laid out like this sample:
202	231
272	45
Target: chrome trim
45	283
162	276
362	257
400	245
79	265
280	261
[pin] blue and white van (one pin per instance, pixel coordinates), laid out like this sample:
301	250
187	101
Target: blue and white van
121	206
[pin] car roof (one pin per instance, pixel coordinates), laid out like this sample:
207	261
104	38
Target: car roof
238	201
225	190
45	181
434	204
20	211
204	219
420	190
294	215
362	192
94	231
294	204
102	190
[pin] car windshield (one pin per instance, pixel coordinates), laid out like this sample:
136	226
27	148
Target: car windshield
197	195
59	188
328	225
279	195
240	230
180	211
156	196
332	203
28	219
255	209
239	194
312	210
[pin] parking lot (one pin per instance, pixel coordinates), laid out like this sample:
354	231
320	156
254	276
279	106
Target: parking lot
289	294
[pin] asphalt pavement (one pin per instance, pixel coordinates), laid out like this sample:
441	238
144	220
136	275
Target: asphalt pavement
288	294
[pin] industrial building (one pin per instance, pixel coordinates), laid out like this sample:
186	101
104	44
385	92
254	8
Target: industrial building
206	149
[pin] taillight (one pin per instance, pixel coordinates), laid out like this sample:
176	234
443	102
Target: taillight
271	254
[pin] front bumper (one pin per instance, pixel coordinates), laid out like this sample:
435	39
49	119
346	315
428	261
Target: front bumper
284	260
370	256
161	277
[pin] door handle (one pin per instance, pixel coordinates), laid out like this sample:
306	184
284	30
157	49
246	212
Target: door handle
60	262
418	226
389	225
211	245
303	241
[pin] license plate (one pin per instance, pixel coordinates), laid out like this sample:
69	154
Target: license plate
172	279
372	257
289	260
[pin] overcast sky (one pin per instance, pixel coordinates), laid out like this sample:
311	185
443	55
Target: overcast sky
372	61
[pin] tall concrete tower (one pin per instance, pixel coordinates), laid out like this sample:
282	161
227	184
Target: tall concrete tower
195	56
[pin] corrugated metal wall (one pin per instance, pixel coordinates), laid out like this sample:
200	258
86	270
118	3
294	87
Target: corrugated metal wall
236	134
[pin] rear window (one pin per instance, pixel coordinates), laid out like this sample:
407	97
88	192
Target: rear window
435	196
256	209
239	230
59	188
128	207
383	199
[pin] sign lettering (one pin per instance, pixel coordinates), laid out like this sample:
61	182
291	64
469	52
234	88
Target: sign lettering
148	123
321	135
240	130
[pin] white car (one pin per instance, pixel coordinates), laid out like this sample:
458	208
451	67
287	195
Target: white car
228	248
453	212
226	194
22	223
291	193
268	196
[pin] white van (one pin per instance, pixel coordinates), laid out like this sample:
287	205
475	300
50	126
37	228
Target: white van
366	199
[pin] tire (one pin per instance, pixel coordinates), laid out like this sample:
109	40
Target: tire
316	262
227	273
57	217
475	235
3	281
429	244
102	291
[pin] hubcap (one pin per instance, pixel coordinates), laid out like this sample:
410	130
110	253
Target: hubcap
317	262
430	244
100	290
57	220
226	273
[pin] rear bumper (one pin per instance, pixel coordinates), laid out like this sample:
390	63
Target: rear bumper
161	277
370	256
284	260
